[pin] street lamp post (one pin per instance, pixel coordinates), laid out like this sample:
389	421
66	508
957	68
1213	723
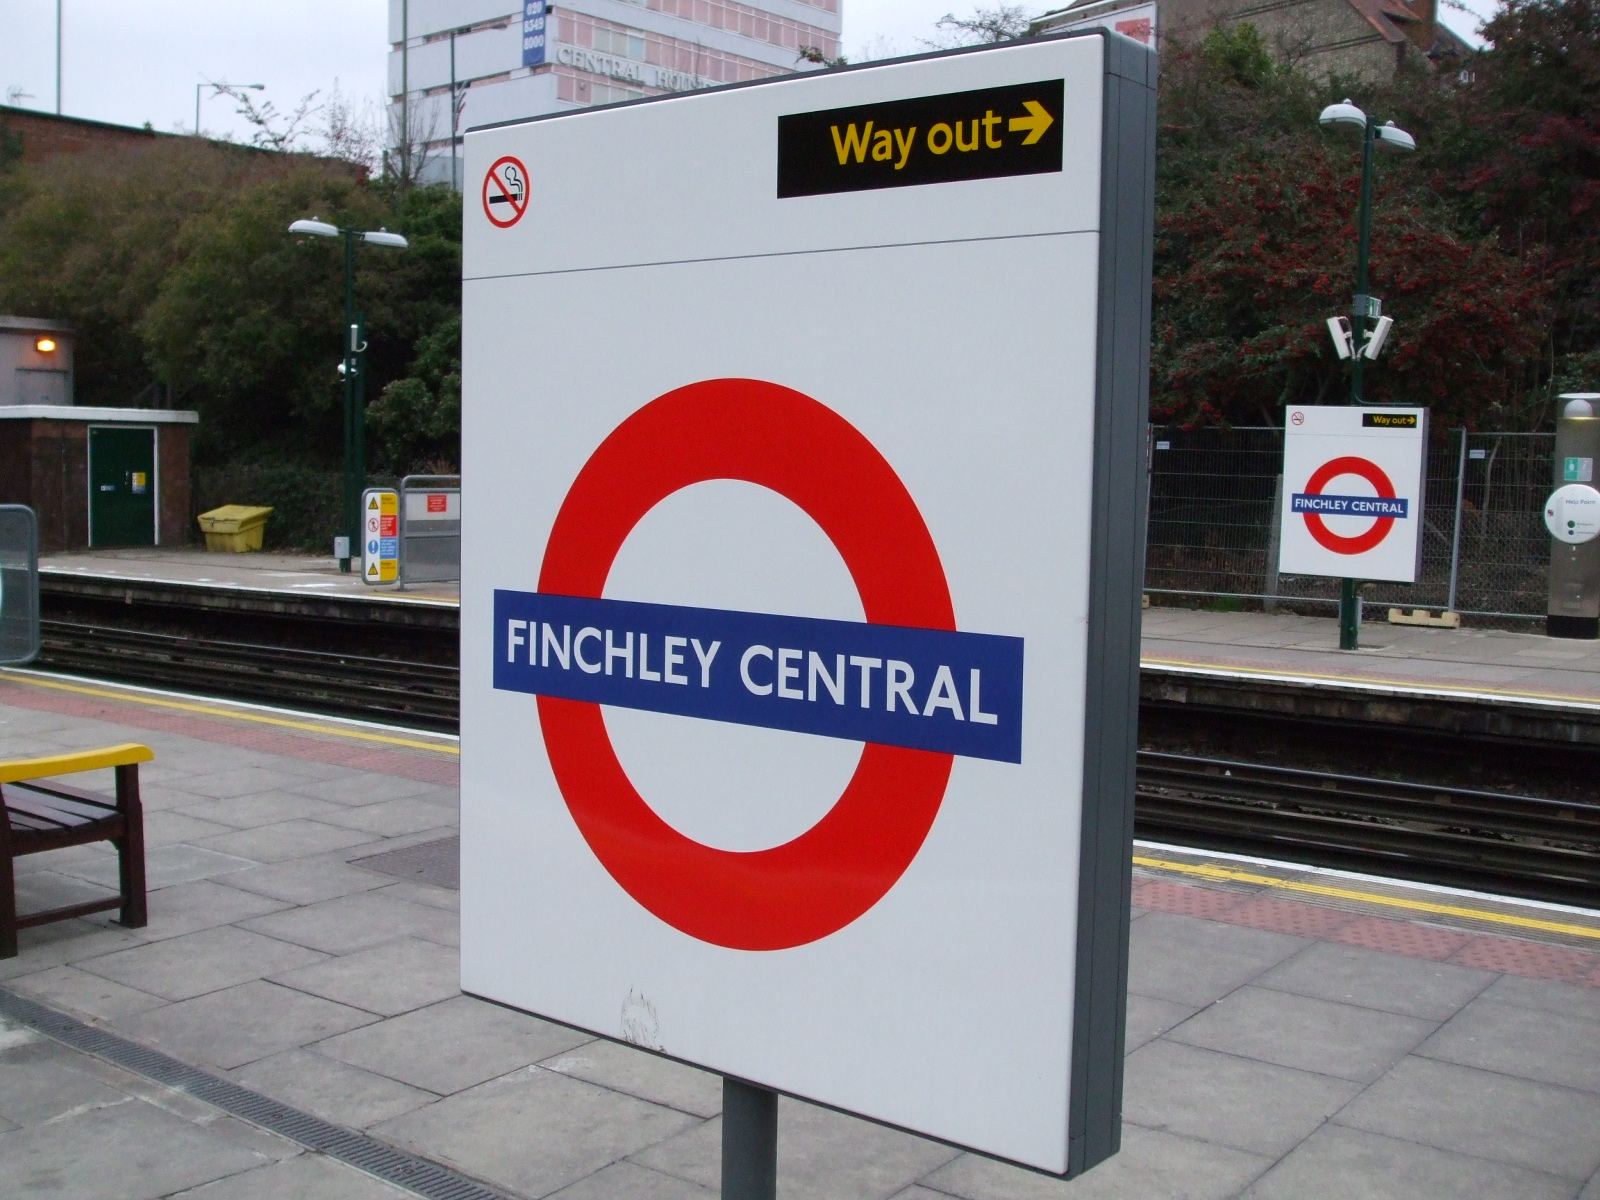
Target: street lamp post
353	368
218	89
1365	306
456	100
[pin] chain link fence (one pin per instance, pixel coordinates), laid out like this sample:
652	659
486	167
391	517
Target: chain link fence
1214	496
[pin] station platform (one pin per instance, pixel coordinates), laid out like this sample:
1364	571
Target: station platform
1471	663
1293	1034
297	574
1492	664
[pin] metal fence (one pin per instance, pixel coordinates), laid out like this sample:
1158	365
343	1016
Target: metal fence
1214	496
430	529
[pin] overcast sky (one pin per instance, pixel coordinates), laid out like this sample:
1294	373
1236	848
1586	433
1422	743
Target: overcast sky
137	62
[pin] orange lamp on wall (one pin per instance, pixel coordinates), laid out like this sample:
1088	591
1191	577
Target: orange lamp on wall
45	345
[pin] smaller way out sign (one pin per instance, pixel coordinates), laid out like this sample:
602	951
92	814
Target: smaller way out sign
983	134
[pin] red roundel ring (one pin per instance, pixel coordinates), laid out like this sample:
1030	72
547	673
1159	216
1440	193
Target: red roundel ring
1373	474
775	437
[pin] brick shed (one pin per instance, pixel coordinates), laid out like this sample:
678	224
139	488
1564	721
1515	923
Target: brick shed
98	476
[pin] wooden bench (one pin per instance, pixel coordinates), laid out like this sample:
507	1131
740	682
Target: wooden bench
41	814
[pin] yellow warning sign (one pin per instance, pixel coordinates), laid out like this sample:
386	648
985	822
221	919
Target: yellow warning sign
380	536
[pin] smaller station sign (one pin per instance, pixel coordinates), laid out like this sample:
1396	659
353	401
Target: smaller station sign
380	535
1353	482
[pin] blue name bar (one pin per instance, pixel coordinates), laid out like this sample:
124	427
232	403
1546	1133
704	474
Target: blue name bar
925	689
1350	506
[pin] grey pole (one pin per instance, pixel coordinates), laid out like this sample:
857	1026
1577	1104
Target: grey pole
1455	536
454	183
405	91
749	1141
58	58
1274	544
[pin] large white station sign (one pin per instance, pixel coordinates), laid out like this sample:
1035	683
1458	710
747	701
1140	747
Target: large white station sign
1353	482
799	653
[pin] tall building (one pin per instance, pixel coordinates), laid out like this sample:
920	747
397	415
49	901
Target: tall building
509	59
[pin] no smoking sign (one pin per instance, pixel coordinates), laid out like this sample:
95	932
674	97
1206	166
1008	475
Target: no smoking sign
505	192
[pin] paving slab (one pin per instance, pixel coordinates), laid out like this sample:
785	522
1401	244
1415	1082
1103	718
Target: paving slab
395	818
1372	979
642	1075
330	1089
1300	1031
366	787
241	1024
1525	1042
304	1177
284	840
307	881
388	979
351	923
203	904
629	1181
452	1045
1485	1114
1149	1018
1252	1106
1546	996
1190	961
260	808
83	994
237	780
40	1082
1346	1164
208	961
165	866
1151	1164
534	1131
131	1151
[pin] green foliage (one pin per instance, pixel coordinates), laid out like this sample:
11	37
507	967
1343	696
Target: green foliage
416	424
174	262
1256	240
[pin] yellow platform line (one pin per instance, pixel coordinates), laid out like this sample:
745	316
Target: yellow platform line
1233	875
1290	675
234	714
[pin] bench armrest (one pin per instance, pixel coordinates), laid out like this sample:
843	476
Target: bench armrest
17	770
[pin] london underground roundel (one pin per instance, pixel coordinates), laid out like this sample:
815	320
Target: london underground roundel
775	437
1313	502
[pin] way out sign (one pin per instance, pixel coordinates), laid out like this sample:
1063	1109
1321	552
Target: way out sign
799	646
380	535
1353	484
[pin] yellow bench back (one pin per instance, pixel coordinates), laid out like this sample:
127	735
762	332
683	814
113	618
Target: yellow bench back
18	770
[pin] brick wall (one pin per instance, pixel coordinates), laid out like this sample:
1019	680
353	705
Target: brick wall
40	136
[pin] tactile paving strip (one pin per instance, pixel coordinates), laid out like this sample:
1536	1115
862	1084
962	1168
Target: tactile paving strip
416	1175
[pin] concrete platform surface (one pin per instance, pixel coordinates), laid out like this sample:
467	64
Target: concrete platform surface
1291	1035
275	572
1486	662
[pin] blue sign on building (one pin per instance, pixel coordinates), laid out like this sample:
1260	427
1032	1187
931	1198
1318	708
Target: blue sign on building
533	32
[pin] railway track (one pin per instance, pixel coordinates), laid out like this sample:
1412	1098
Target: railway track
1549	849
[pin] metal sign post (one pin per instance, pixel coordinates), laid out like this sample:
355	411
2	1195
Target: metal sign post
800	642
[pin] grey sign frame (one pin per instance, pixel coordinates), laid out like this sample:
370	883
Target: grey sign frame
19	585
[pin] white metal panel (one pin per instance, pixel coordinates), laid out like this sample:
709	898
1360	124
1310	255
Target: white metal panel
1349	458
954	326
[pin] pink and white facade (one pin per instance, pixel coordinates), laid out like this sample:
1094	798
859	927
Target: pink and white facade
593	51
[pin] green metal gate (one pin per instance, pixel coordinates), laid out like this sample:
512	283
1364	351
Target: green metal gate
122	486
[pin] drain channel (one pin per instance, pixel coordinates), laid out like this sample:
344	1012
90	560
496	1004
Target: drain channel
408	1171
